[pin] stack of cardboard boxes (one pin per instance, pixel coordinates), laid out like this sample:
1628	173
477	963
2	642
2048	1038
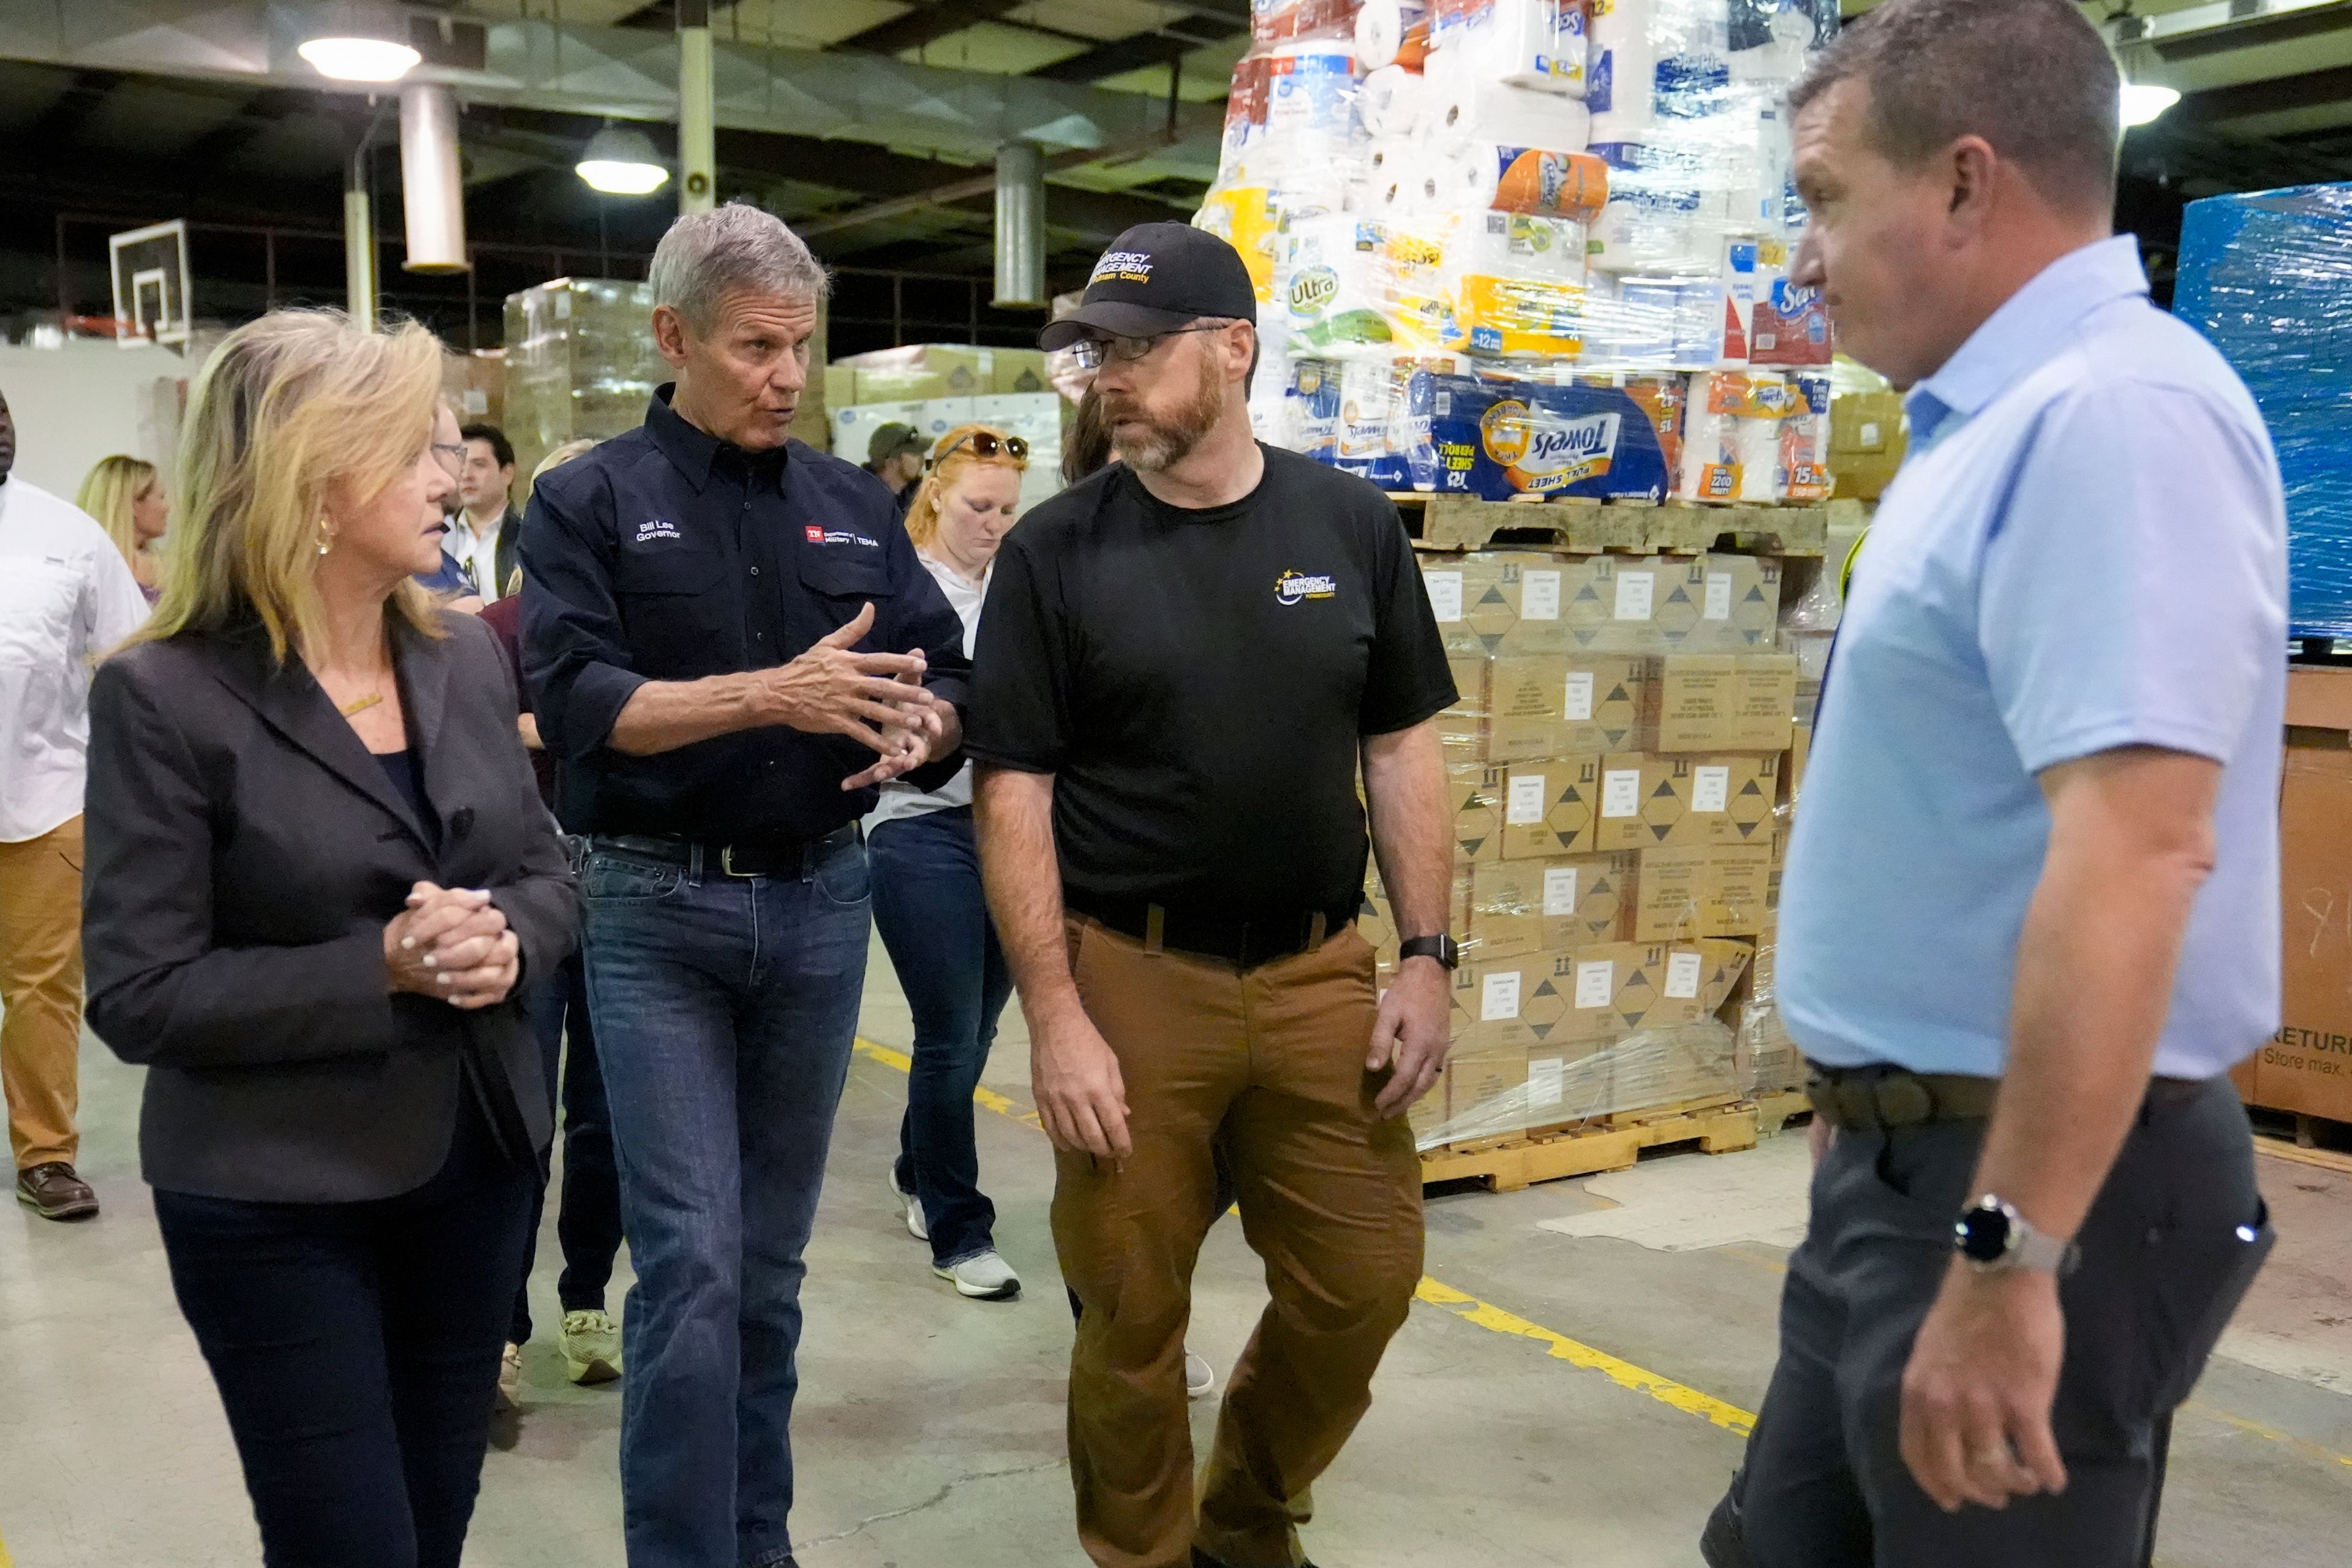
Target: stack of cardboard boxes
1614	766
936	387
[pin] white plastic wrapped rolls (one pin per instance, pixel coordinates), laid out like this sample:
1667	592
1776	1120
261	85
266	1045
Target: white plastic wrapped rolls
1310	120
1367	389
1333	280
1392	103
1534	44
1621	77
1385	30
1758	441
1517	284
1457	112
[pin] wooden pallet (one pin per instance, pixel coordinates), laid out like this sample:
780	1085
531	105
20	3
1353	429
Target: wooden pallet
1776	1113
1611	1144
2317	1140
1456	522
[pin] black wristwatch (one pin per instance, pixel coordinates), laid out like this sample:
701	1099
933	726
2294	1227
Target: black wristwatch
1992	1235
1440	947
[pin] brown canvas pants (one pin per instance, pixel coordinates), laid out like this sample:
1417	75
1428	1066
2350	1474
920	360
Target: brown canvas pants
1273	1061
40	992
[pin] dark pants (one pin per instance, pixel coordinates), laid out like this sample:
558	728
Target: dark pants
588	1211
2171	1243
933	918
725	1008
354	1346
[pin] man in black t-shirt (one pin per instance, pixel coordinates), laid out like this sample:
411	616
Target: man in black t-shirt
1185	659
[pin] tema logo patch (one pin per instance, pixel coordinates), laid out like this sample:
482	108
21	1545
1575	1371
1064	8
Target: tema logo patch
1292	586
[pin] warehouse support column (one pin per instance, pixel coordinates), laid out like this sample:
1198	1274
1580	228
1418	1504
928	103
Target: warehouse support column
698	157
359	247
1020	227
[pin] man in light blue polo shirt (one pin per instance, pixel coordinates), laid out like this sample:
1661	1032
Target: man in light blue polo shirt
2031	914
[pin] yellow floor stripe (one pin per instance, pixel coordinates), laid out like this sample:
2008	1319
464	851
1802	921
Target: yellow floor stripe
1437	1293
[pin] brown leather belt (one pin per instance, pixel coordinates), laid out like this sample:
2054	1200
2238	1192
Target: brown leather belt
1872	1097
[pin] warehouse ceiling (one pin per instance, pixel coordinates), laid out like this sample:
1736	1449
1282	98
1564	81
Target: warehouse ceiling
866	121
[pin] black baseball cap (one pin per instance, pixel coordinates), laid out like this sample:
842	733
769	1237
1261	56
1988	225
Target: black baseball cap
1156	278
889	440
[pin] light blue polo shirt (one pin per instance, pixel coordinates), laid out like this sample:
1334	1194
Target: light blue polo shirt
2085	549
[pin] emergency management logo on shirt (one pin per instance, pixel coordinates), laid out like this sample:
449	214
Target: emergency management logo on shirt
1292	586
656	528
1122	266
817	536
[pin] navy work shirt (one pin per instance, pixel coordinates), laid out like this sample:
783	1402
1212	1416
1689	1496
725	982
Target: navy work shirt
667	554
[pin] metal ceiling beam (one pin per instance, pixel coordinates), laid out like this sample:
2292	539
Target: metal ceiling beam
1134	52
2275	96
927	23
627	73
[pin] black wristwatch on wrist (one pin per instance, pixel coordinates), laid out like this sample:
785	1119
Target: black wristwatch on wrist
1993	1236
1440	947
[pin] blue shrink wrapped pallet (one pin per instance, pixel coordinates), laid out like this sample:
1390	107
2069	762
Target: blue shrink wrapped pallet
2268	276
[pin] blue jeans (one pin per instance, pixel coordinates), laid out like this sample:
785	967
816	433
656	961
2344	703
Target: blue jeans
724	1007
934	920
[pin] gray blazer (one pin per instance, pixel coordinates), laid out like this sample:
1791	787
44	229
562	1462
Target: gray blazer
244	852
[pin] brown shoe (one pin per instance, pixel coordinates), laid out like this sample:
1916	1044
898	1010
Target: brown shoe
54	1192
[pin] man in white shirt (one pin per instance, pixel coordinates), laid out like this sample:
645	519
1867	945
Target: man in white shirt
483	538
66	597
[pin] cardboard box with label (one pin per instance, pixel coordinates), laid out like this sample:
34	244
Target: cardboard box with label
1428	1115
1462	729
1558	705
1481	599
1476	790
1867	440
1703	891
1671	984
1718	702
1548	807
1484	1093
1545	906
2306	1067
918	372
1018	371
1677	603
1647	801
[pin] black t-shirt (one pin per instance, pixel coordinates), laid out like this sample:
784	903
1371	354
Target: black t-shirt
1199	682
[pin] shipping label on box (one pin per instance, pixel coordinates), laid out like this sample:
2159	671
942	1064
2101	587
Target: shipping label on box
1538	906
1647	801
1476	790
1502	602
1548	807
1587	984
1680	982
1718	702
1703	891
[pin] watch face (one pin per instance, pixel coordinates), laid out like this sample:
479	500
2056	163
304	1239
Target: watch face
1982	1234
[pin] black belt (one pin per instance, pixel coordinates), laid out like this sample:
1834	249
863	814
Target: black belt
1244	942
766	857
1869	1097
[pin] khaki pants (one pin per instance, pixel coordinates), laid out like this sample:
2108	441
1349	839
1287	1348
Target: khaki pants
40	992
1273	1061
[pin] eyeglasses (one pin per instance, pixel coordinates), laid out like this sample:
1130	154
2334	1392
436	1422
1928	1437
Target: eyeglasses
1091	352
451	457
986	445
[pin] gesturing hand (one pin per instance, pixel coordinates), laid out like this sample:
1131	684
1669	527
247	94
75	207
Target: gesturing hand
1081	1094
1976	1394
453	943
1411	1034
829	690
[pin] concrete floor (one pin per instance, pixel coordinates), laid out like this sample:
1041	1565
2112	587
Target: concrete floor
1504	1432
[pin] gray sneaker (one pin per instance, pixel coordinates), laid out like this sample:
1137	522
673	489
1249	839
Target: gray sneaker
986	1277
909	1206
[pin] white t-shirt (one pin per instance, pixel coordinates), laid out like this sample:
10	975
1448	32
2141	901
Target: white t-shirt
900	799
66	597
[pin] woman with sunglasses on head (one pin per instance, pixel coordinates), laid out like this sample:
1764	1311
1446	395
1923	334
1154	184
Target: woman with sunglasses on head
928	902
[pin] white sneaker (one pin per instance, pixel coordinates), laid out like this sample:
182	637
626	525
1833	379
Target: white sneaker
909	1205
986	1277
1200	1377
510	1378
592	1347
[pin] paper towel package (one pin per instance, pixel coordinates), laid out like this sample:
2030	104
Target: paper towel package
1537	44
1804	464
1519	285
1500	441
1334	280
1314	408
1392	33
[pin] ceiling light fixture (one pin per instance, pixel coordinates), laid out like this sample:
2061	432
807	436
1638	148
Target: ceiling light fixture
2144	102
621	163
359	41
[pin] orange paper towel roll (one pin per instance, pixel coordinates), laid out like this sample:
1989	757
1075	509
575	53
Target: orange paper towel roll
1530	180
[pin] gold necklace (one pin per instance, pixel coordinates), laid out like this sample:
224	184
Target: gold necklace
362	705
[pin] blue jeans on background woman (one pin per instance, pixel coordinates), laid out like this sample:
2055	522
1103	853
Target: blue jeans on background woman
933	917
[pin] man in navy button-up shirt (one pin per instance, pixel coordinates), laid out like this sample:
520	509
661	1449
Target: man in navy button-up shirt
729	643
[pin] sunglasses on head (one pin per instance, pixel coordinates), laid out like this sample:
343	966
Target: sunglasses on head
986	445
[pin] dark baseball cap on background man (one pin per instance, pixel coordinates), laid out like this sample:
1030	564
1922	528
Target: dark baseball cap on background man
890	441
1156	278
